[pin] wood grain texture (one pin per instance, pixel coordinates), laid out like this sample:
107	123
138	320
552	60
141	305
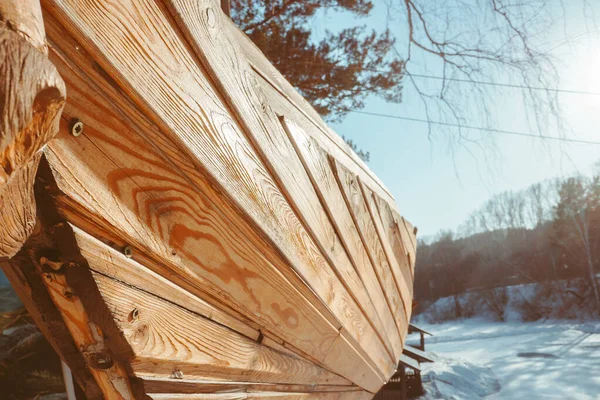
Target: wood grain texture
150	201
353	195
407	231
51	273
397	244
32	96
24	17
404	286
204	25
170	80
267	395
109	262
169	340
190	386
286	93
322	178
109	374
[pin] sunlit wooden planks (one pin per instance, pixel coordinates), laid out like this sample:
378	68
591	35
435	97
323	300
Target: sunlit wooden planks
401	283
266	395
166	337
169	82
147	205
197	386
148	197
322	177
319	130
350	186
204	25
397	244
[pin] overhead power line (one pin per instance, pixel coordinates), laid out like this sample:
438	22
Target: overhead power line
501	131
474	82
510	85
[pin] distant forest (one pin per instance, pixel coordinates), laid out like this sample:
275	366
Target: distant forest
546	233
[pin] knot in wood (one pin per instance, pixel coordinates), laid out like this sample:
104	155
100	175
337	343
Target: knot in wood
211	17
177	374
76	127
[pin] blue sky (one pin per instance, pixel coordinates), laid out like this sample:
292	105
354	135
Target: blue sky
435	187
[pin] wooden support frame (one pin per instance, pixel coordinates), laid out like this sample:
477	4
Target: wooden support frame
54	282
33	96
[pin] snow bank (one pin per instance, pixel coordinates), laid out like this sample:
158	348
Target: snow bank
449	378
476	358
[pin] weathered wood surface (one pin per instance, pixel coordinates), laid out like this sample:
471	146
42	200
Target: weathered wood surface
32	96
229	243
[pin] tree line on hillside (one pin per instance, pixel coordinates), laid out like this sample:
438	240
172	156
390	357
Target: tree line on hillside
548	233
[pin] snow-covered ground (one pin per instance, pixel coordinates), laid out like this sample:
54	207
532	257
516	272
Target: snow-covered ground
513	360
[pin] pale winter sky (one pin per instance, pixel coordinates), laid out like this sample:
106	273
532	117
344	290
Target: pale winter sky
436	188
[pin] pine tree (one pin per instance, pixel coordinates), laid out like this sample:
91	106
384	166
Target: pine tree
335	74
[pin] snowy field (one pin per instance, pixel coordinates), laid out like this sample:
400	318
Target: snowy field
515	360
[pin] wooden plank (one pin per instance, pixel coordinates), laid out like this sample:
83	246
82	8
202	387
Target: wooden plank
408	361
203	23
404	285
169	340
135	166
204	131
417	354
51	261
414	328
407	231
269	395
355	200
156	386
322	177
394	237
286	93
119	267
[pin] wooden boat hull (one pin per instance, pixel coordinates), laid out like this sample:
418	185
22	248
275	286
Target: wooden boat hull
206	235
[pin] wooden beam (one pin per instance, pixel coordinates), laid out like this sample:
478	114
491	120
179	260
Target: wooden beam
33	96
58	289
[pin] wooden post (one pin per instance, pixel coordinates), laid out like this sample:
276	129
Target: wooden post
422	341
403	382
32	96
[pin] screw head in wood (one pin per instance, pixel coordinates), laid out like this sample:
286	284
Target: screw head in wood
76	127
135	314
100	360
128	251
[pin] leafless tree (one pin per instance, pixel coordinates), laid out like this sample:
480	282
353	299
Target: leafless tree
461	46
